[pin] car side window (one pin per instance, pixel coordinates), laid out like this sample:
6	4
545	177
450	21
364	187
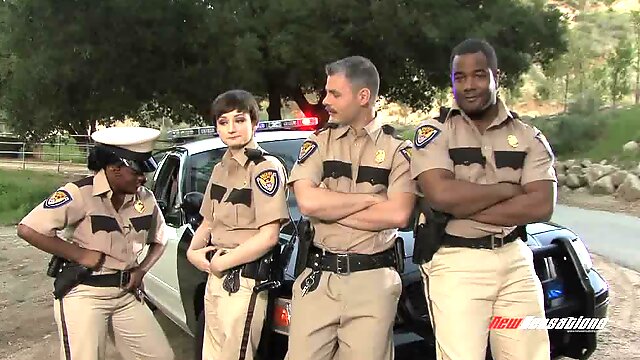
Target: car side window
200	167
167	189
151	175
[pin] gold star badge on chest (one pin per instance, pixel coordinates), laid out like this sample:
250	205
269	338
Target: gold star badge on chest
512	140
380	156
139	206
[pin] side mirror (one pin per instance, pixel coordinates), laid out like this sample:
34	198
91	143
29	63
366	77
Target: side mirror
191	204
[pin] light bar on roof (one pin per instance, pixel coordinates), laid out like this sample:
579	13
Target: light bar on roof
307	123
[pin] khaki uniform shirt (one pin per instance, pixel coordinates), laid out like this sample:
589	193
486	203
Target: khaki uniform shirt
508	151
242	196
84	210
364	161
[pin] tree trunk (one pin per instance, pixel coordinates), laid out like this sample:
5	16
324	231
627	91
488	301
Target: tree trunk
637	72
275	105
566	91
318	110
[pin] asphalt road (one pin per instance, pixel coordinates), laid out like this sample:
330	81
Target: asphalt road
613	235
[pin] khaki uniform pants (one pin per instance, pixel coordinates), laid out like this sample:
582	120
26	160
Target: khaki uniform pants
83	316
347	317
233	322
466	287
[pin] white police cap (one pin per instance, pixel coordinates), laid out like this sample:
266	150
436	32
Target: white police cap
133	145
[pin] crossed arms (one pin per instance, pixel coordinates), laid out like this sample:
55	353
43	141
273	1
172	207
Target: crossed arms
370	212
502	204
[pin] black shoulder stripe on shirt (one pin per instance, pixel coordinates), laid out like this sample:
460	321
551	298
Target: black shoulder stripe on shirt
467	156
217	192
104	223
141	223
512	159
240	196
335	169
84	182
373	175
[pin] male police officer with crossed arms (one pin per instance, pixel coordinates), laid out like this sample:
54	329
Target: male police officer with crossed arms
353	181
491	172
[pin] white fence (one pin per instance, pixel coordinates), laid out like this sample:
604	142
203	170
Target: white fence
60	157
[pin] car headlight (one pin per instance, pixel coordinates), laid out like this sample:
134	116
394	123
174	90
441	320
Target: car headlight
583	254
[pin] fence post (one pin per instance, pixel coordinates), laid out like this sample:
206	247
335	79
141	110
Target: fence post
59	145
24	148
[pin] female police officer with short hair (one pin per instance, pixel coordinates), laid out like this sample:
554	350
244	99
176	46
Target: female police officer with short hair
243	208
108	219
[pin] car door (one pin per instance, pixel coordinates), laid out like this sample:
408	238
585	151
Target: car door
161	283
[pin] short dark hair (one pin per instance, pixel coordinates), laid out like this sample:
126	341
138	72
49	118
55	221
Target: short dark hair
359	71
240	100
472	46
99	158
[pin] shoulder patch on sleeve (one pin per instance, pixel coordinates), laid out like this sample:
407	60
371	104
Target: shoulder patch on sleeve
406	152
308	147
424	135
268	181
57	199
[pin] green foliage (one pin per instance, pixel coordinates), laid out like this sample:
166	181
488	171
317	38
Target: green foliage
619	62
22	190
65	64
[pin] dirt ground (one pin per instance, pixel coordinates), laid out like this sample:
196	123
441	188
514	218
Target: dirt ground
27	328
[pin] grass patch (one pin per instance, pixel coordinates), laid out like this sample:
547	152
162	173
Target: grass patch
67	151
22	190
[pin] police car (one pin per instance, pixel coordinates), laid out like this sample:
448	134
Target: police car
572	287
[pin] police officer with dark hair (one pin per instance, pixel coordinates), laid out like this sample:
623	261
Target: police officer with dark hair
108	219
352	180
243	209
491	173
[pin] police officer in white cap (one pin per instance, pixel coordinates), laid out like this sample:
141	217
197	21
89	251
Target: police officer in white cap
108	219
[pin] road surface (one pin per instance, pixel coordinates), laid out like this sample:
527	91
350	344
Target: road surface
613	235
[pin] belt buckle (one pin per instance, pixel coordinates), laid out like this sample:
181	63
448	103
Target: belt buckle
125	277
493	242
340	270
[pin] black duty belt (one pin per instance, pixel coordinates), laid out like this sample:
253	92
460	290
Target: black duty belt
118	279
344	264
485	242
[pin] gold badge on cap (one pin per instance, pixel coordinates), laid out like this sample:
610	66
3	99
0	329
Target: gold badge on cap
139	206
380	156
512	140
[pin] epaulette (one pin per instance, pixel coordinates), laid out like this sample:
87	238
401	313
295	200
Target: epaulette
84	182
390	130
514	114
255	155
328	125
442	116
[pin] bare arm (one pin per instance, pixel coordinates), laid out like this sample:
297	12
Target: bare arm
536	204
197	252
462	198
329	205
250	250
392	213
55	245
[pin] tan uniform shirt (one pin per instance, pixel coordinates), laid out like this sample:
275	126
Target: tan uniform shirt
365	161
242	196
84	210
508	151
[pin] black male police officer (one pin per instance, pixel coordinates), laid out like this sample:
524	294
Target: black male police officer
108	218
353	181
491	173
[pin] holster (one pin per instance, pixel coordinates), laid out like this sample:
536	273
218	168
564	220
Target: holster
261	269
70	275
398	250
55	265
428	235
305	235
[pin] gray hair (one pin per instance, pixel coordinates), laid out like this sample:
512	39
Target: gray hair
360	71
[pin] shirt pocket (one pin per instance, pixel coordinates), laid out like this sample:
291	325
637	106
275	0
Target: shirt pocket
509	165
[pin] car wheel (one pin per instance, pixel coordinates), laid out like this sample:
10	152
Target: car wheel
199	338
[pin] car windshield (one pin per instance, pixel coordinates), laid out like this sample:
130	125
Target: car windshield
202	164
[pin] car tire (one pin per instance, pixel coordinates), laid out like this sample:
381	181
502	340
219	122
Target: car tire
199	338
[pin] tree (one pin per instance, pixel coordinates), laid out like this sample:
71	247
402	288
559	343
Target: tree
77	65
635	21
618	62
